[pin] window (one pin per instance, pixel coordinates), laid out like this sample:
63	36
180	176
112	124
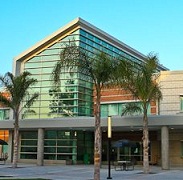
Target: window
181	148
115	109
111	109
181	103
4	114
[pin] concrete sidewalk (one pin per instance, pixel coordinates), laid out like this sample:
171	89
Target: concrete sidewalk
84	172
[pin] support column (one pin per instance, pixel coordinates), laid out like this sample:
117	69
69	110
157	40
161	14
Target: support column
165	147
40	147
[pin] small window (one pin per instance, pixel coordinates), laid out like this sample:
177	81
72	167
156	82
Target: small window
181	148
181	103
4	114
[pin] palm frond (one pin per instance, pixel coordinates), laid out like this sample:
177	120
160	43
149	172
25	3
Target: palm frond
28	111
143	83
17	87
31	100
97	68
131	109
70	57
102	68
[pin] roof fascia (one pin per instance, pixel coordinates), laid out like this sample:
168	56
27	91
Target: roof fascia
79	22
112	40
46	41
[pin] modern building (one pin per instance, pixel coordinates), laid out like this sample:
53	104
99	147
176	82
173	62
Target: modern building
62	130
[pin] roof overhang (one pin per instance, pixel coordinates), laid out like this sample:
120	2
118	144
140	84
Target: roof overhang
88	123
73	25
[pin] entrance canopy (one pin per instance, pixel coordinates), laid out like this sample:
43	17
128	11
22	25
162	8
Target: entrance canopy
2	142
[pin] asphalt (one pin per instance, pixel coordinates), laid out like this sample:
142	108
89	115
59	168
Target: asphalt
85	172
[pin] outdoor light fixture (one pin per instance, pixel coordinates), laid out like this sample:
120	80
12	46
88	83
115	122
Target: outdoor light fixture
109	135
109	131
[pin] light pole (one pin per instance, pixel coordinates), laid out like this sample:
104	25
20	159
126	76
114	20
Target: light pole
109	135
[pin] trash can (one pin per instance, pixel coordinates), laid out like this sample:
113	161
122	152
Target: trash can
86	158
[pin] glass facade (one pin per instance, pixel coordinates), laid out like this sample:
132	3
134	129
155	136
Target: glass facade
4	114
85	146
124	153
115	109
28	149
59	145
76	92
75	95
75	98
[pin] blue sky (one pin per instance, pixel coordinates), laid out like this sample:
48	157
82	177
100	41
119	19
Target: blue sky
146	25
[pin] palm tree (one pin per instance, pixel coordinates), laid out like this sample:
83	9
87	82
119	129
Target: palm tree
17	87
143	85
98	68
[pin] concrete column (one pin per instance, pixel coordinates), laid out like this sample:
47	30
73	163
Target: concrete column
165	147
40	147
118	154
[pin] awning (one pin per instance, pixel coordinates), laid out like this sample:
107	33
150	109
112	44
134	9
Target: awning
124	143
2	142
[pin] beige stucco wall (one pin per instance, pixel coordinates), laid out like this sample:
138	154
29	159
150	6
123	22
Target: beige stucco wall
175	148
155	152
171	83
175	144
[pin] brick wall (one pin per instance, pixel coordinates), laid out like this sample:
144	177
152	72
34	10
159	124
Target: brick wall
5	94
120	95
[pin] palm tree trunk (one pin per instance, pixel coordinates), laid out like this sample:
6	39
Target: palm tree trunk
97	143
145	144
15	142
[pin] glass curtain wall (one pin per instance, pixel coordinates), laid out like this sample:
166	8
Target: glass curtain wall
60	145
76	92
28	145
75	95
75	98
76	146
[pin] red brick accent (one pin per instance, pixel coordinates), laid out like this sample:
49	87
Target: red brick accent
5	94
116	94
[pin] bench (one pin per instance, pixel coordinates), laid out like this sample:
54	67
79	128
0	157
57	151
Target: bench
4	158
124	165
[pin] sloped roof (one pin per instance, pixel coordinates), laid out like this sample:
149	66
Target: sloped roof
78	23
48	39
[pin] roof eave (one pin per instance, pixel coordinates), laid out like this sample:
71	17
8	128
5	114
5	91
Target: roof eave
47	40
84	24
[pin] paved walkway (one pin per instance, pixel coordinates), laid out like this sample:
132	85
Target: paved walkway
84	172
